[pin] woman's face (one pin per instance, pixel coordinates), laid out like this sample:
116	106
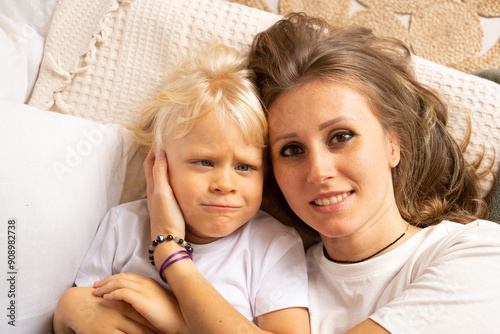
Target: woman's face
332	159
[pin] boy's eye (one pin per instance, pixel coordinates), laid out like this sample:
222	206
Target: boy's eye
204	163
341	137
291	150
243	168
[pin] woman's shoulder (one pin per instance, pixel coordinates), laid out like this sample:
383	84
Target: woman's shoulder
480	230
479	239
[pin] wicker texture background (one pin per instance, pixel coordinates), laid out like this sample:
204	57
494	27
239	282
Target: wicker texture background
448	32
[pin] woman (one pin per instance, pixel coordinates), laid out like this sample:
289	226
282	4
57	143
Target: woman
361	153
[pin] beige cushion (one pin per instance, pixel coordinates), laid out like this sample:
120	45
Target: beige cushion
105	58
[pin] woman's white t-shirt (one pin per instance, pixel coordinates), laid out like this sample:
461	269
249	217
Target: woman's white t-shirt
445	279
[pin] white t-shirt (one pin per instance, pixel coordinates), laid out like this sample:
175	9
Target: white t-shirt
445	279
259	268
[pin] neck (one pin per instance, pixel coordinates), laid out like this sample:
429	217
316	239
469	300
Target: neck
364	245
381	251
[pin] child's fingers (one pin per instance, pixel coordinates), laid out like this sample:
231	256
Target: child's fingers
155	169
123	294
102	282
119	281
148	166
160	170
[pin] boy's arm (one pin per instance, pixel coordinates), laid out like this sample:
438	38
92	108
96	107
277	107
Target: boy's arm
78	310
368	327
204	309
288	320
148	297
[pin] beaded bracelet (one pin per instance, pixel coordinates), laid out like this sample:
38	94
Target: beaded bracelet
159	239
166	263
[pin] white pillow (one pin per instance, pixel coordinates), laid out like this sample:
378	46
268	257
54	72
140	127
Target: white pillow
21	49
59	175
36	13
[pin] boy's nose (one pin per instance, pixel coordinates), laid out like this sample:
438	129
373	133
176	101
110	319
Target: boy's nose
223	182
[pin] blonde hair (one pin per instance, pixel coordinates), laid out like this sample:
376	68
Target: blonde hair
216	79
433	181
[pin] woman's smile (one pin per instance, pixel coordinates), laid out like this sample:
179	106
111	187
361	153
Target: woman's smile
334	199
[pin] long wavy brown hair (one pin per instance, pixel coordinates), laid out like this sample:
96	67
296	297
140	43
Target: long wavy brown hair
433	181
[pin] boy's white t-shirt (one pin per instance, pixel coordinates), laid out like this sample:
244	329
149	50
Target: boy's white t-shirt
445	279
259	268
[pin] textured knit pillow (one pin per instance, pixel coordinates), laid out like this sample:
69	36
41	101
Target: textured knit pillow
105	58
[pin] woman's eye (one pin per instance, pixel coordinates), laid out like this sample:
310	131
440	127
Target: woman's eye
341	137
291	150
204	163
243	168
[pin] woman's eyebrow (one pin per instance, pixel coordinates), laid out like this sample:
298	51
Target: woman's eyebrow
321	127
334	120
284	136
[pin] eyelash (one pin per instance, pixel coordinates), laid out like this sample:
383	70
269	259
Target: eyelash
248	168
210	164
341	137
201	163
288	147
346	135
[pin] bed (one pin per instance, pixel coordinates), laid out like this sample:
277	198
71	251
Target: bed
74	74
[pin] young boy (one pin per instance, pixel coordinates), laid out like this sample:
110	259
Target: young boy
211	125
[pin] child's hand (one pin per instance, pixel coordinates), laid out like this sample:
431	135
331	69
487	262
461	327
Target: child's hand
147	296
165	214
79	311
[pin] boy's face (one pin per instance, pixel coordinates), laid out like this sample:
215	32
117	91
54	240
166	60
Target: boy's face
217	179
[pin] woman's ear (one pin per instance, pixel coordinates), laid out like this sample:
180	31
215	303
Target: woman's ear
394	150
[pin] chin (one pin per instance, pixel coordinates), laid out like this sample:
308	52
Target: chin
333	229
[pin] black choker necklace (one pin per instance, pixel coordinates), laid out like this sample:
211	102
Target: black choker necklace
369	257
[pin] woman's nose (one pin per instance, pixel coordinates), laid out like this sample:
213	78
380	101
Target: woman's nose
223	182
320	166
